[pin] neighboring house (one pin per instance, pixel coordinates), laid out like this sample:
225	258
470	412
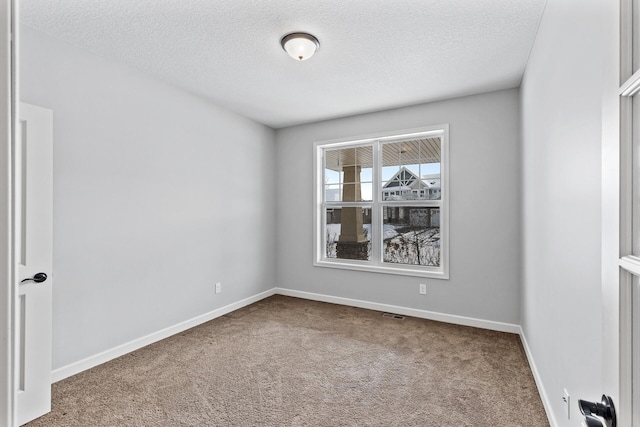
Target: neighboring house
333	194
405	185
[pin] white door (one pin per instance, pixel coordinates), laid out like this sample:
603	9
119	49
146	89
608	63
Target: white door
33	169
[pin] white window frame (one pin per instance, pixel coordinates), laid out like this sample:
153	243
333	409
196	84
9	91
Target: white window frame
376	264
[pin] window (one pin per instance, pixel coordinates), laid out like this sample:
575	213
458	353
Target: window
381	203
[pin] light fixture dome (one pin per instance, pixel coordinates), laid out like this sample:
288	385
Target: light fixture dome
300	46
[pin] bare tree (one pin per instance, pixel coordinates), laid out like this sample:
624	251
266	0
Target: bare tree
415	245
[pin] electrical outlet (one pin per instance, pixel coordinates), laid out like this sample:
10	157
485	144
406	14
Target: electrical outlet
566	399
423	288
218	287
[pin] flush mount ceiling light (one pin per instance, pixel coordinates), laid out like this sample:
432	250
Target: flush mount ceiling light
300	46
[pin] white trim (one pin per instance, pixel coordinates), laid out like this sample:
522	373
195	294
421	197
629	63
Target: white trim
98	359
631	86
7	284
404	270
121	350
538	379
627	349
630	263
618	298
92	361
105	356
444	195
375	264
415	312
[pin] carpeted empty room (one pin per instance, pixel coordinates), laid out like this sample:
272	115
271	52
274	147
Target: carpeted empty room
291	362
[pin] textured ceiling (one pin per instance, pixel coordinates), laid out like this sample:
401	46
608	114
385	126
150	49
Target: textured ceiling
374	54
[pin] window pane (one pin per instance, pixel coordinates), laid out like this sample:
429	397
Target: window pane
332	177
351	167
348	233
333	193
411	170
367	191
411	235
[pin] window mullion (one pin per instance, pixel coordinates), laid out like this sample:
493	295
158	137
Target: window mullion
323	229
376	218
436	203
348	204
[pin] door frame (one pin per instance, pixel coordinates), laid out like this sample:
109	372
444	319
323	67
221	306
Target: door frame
611	208
7	273
618	263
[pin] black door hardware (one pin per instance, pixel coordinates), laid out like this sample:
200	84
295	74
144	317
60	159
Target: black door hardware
38	278
605	410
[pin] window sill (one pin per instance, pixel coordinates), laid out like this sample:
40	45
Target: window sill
430	272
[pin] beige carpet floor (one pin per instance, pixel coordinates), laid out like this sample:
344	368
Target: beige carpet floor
291	362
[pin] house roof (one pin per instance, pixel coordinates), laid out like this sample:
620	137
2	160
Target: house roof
405	179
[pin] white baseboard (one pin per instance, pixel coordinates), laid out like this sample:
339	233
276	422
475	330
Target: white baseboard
538	379
442	317
121	350
423	314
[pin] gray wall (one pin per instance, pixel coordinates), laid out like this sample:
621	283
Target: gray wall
561	135
484	210
157	196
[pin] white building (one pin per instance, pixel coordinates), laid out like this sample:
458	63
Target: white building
405	185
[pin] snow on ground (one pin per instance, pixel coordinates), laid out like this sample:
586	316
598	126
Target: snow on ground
402	244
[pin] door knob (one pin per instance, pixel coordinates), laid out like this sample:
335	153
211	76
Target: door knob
38	278
603	409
